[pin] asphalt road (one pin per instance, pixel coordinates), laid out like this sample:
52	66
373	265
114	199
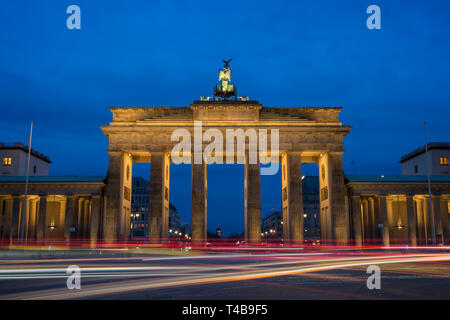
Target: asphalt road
277	274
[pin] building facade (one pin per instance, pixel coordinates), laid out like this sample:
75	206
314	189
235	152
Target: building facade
14	161
398	209
65	207
414	163
272	226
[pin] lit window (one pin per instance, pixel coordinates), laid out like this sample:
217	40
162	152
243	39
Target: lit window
7	161
444	161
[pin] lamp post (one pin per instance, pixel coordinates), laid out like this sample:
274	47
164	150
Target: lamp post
24	212
433	231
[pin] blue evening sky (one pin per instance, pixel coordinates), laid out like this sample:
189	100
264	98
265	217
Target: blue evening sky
167	53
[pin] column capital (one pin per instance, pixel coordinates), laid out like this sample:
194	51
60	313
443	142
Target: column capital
115	152
334	153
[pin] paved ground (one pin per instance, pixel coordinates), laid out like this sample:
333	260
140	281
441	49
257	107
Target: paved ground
319	274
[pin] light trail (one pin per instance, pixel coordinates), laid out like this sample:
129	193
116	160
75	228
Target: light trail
92	290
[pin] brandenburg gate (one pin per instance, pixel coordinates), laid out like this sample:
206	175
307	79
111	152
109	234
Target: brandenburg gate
305	135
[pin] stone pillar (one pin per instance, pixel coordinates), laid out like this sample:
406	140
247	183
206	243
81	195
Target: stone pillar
384	220
357	221
42	217
252	190
86	216
31	232
69	219
15	217
427	220
2	217
373	221
445	223
118	195
412	234
420	222
293	220
159	195
331	174
436	200
80	217
199	201
7	219
366	221
96	207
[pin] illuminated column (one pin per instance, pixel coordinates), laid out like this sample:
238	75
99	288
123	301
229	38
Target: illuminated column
80	217
7	219
252	190
427	219
445	224
31	232
159	195
436	201
373	221
68	222
42	216
412	234
16	206
292	198
86	217
384	220
420	222
366	219
199	201
118	195
2	217
331	179
96	206
356	218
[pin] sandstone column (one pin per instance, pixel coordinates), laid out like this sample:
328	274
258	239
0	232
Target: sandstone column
15	217
68	222
436	201
80	220
331	179
445	223
96	206
118	195
384	220
366	221
292	197
31	234
427	220
87	212
199	201
159	195
412	234
420	222
373	221
8	203
356	219
41	226
252	189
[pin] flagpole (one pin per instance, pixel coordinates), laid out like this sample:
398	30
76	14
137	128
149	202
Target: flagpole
24	213
433	231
